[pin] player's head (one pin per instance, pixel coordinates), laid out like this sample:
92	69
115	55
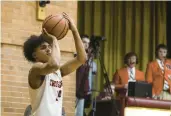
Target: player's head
131	59
86	41
36	49
161	51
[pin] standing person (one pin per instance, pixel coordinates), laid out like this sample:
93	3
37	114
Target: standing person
45	76
129	72
158	73
84	79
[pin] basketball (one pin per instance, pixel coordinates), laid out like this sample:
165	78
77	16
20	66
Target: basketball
56	25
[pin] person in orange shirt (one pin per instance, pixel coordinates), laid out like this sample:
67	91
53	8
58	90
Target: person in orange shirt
158	73
129	72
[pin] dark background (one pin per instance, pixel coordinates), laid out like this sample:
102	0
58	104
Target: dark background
168	26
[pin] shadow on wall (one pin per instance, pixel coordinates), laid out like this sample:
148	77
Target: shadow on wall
28	111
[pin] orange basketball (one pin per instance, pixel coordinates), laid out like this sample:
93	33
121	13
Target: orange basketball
56	25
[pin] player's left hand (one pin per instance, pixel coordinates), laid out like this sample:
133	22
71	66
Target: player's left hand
72	25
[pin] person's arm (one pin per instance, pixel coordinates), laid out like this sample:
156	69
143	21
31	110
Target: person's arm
116	80
140	75
143	76
80	59
53	63
94	68
149	76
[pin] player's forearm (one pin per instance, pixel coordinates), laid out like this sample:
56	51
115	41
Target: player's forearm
55	55
81	54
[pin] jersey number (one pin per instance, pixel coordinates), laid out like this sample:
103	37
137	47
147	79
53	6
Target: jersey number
59	93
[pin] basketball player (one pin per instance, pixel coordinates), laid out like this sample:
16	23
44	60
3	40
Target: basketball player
158	73
128	73
45	76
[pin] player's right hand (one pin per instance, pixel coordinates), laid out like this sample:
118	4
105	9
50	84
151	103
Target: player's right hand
48	37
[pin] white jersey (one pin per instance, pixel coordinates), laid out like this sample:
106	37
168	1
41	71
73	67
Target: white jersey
47	99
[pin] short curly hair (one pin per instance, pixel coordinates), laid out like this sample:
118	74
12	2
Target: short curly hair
128	55
30	45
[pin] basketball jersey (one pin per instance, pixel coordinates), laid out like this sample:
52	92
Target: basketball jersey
47	99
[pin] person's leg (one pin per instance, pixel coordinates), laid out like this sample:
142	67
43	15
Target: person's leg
79	107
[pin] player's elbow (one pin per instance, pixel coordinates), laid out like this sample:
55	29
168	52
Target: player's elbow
82	60
54	65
